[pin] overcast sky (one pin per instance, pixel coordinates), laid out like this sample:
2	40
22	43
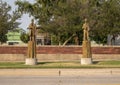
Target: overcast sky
25	20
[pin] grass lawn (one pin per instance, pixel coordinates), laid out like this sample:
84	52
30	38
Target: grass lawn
97	64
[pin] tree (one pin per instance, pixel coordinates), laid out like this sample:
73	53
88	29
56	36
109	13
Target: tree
24	37
112	17
7	20
104	19
60	18
64	18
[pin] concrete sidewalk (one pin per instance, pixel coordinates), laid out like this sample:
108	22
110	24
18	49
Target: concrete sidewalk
59	72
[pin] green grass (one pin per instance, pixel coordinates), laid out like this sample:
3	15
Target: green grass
97	64
109	63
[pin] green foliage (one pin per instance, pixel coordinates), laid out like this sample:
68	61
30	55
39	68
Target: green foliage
54	40
64	18
3	38
57	17
24	37
104	19
7	20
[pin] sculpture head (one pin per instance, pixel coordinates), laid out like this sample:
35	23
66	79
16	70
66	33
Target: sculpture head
32	20
31	24
85	20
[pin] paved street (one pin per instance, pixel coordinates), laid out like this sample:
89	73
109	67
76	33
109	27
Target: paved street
60	77
60	80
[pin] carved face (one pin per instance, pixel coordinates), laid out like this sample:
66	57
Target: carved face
85	19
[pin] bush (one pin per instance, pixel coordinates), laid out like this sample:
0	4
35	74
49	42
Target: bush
24	37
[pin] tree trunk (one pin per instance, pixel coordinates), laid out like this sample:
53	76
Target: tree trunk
68	39
59	43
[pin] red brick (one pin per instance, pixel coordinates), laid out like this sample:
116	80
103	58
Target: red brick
58	50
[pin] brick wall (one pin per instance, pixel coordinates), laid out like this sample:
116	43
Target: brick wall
58	50
13	50
56	53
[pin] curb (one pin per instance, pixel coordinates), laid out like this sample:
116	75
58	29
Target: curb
58	72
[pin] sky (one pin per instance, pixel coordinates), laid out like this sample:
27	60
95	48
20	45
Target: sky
25	19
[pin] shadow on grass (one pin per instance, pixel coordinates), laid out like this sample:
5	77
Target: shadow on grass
41	63
96	62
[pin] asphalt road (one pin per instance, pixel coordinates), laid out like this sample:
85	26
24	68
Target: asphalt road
61	80
60	76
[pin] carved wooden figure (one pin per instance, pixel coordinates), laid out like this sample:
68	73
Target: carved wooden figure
32	40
